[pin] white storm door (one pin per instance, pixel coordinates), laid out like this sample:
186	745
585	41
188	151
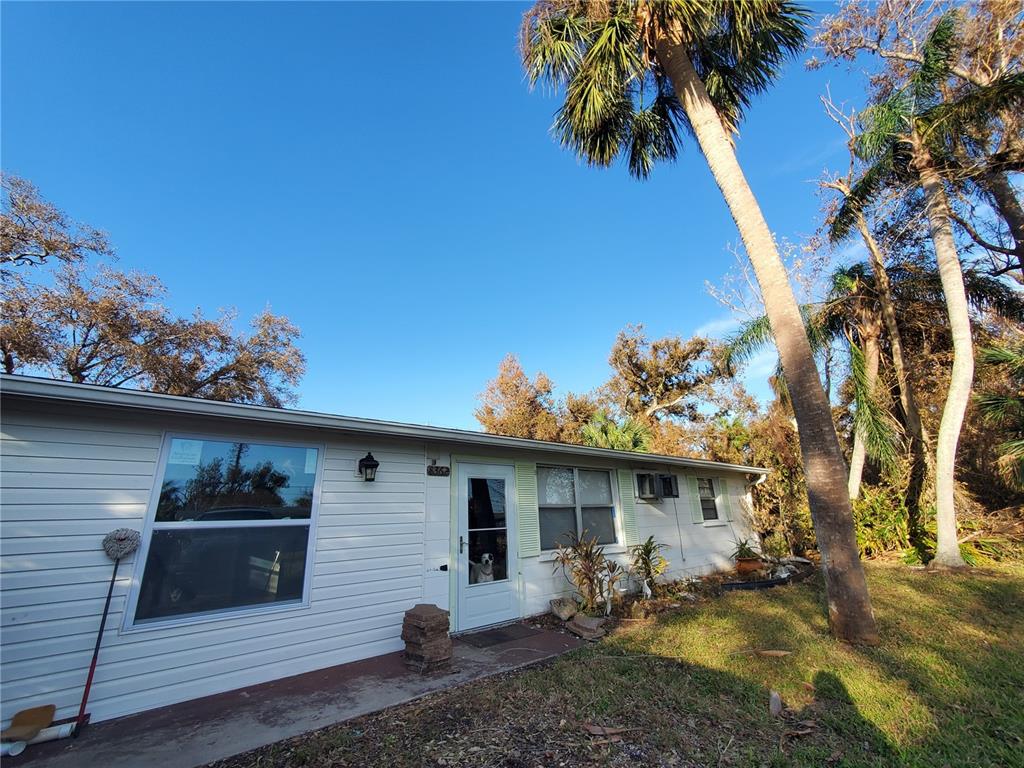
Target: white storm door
487	569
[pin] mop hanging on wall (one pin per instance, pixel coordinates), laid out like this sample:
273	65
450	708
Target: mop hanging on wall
117	544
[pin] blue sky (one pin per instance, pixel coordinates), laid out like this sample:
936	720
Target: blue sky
381	174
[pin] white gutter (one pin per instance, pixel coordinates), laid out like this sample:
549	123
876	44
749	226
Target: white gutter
90	394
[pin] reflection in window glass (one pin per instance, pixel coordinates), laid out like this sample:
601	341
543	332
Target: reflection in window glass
599	522
555	487
486	503
231	529
213	480
575	502
557	526
193	570
595	488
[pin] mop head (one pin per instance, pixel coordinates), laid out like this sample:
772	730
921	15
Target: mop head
121	543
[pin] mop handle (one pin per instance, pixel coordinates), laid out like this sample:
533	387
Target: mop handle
80	720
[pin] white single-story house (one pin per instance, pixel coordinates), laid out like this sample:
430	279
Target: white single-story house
271	545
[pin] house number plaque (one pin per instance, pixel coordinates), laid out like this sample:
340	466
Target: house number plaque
435	471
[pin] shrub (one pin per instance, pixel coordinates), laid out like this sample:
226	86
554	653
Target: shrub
744	550
775	546
647	564
880	517
585	567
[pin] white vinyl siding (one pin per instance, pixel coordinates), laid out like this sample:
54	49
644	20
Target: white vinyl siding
70	475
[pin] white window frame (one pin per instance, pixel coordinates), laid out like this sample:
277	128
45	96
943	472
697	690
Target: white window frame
718	519
128	623
616	507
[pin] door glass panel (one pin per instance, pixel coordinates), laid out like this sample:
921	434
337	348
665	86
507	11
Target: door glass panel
599	522
486	503
488	534
488	556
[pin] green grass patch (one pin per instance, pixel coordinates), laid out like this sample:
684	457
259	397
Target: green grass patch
944	688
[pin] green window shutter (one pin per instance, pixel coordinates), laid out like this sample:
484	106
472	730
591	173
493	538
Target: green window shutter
695	514
627	500
526	503
726	494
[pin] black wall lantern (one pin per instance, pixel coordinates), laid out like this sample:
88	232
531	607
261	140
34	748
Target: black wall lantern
368	467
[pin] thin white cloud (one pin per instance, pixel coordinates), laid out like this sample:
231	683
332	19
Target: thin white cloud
718	327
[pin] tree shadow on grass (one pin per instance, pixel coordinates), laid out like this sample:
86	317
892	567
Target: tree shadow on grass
943	688
964	660
849	739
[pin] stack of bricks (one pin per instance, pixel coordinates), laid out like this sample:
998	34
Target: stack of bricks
428	648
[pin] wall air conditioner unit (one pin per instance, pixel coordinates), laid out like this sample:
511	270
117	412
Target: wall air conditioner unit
646	485
668	486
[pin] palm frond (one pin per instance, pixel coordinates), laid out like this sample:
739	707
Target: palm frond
1000	409
653	135
861	195
753	336
880	125
601	54
604	432
988	293
1011	463
743	56
947	121
937	55
872	421
1010	355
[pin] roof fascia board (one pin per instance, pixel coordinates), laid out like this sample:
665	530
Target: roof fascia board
32	387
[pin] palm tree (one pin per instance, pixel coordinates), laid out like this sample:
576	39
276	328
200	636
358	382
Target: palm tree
850	315
906	138
633	73
604	432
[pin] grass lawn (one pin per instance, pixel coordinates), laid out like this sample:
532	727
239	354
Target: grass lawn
945	688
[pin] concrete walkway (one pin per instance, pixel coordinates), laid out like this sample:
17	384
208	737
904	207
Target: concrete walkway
203	730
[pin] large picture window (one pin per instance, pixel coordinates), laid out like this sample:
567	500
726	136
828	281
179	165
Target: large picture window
231	528
575	502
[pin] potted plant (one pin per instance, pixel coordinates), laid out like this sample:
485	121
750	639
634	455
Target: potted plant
747	558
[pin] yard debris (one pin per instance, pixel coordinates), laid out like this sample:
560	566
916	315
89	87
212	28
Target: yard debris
564	608
611	735
587	627
775	704
757	652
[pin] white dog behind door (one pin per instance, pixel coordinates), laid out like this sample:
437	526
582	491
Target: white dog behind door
483	571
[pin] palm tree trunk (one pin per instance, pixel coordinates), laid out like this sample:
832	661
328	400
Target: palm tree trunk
962	375
849	605
920	440
859	454
1008	207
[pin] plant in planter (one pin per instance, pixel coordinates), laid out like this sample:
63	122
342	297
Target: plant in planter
747	558
647	565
